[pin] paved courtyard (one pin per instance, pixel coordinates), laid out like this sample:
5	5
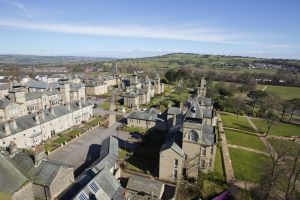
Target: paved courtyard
83	151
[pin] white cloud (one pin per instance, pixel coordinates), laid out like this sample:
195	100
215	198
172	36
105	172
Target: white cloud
25	11
203	34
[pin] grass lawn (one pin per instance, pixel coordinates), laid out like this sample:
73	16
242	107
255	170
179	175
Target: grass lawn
230	120
219	163
245	140
283	91
134	130
247	166
122	154
105	105
278	128
289	147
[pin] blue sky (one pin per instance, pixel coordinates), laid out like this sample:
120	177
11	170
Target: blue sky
268	28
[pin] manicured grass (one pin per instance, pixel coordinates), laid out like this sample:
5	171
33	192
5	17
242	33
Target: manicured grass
105	105
278	128
283	91
290	147
230	120
122	154
59	140
245	140
247	166
219	163
134	130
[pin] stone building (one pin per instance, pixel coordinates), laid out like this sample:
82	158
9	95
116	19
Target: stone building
36	178
190	147
136	92
146	119
30	130
96	88
100	181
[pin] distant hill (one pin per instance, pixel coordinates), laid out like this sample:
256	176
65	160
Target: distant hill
32	59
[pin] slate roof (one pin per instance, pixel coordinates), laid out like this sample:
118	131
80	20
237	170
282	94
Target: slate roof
4	86
174	111
33	95
144	185
43	174
171	144
208	135
109	154
206	101
42	85
207	113
195	110
76	86
11	179
27	121
4	103
148	115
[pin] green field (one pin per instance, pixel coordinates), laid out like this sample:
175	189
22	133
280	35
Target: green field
283	91
230	120
219	164
247	166
245	140
278	128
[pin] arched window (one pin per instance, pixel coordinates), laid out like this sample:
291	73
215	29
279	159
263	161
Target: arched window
193	136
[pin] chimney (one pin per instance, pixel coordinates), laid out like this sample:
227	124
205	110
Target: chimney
12	149
79	104
68	106
14	123
36	118
6	128
38	157
51	111
174	120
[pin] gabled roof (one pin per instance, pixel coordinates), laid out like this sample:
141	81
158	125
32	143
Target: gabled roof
109	154
11	179
195	110
149	115
43	174
144	185
172	145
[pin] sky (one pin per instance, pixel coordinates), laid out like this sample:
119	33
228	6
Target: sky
136	28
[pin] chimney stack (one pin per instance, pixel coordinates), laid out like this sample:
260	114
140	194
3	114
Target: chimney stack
6	128
14	123
12	149
39	155
36	118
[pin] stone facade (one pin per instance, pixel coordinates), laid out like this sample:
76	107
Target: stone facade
32	129
25	193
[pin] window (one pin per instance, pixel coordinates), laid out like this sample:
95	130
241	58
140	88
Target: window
193	136
175	163
210	162
94	187
203	151
82	196
212	150
185	157
202	163
175	173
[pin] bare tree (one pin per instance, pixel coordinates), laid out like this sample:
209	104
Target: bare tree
284	107
270	119
293	173
295	105
268	102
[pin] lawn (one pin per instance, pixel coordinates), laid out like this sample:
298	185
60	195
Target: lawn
278	128
219	163
105	105
5	196
230	120
245	140
247	166
290	147
134	130
283	91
